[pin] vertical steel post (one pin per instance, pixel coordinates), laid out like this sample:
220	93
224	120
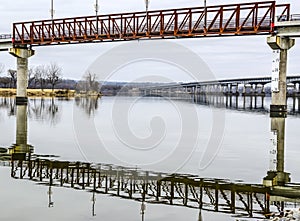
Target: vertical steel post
172	192
96	11
217	196
52	10
205	14
147	17
233	199
72	177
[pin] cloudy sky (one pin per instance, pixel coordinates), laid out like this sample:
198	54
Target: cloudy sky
226	57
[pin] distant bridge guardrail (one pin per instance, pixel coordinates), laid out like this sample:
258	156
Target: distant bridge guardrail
235	81
5	36
295	17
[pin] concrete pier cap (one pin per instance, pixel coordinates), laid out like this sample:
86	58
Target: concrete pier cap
280	43
21	52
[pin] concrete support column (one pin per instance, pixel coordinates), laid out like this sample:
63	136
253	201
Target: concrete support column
244	90
220	90
22	69
255	95
251	89
230	88
22	55
223	89
278	108
295	89
205	89
262	88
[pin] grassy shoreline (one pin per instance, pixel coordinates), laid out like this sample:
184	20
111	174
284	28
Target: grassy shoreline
39	92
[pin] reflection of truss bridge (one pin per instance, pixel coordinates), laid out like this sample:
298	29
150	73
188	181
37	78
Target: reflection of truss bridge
151	187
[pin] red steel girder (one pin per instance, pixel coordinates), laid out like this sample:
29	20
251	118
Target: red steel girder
221	20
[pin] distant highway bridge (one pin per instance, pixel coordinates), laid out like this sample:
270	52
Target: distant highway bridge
225	86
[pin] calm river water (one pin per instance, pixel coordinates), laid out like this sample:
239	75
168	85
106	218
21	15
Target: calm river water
159	134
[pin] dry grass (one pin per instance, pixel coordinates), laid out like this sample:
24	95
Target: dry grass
39	92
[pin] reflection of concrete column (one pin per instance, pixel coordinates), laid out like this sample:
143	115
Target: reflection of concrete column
255	96
294	103
20	149
22	55
236	102
262	101
230	88
278	107
21	132
251	101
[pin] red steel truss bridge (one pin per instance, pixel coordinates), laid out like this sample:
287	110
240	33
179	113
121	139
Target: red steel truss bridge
221	20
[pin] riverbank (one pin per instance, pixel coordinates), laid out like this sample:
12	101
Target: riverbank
39	92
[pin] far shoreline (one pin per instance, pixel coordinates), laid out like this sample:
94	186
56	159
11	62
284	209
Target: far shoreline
9	92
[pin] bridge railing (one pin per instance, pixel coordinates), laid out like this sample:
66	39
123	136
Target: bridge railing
295	17
5	36
234	19
282	11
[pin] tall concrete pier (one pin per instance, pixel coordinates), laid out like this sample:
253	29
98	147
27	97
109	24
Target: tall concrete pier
278	108
22	55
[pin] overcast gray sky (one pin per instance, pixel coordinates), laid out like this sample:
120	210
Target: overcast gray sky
226	57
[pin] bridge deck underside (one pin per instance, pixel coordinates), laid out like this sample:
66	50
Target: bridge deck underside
235	19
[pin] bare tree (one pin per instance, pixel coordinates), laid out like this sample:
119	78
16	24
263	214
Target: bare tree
2	66
4	81
13	77
91	82
31	76
54	73
40	74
